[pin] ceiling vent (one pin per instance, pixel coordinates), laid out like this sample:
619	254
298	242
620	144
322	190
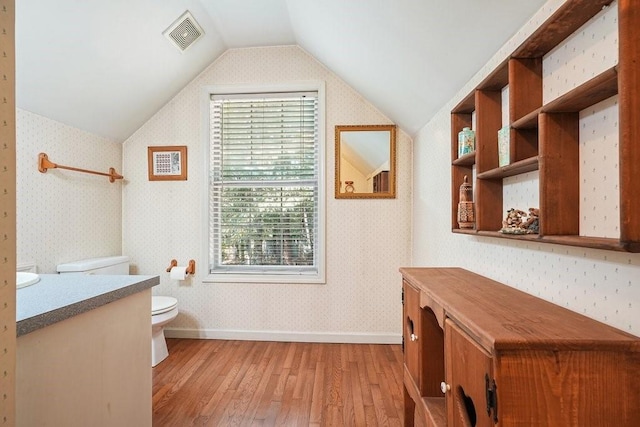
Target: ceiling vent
184	31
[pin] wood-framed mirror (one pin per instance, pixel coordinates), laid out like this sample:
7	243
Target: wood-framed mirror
365	162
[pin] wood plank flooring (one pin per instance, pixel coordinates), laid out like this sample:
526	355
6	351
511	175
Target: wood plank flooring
255	383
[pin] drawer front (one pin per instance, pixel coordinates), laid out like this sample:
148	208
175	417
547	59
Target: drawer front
467	368
411	331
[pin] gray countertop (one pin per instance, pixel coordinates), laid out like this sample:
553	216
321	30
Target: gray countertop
57	297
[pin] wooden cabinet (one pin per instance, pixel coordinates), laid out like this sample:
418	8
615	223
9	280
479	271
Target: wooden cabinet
545	137
485	354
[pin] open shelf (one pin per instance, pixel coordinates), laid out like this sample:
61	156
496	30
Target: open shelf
466	160
546	136
567	19
517	168
597	89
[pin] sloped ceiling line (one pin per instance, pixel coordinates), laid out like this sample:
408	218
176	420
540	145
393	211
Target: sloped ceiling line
105	67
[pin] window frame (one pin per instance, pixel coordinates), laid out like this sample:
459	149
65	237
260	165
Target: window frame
318	277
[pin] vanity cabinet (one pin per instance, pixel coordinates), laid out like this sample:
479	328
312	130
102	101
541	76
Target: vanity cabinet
480	353
545	136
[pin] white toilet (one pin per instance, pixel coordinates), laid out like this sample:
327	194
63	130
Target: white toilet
163	309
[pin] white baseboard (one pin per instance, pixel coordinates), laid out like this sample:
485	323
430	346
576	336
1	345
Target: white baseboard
319	337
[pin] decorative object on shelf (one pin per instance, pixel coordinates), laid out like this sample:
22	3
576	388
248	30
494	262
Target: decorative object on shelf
503	146
349	188
517	222
532	224
466	210
466	141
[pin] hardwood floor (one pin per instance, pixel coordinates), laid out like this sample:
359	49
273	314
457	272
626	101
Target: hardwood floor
254	383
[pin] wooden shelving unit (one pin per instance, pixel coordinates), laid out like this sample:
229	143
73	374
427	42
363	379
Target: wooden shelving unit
545	137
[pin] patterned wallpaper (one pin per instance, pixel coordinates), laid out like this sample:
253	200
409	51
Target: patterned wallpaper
63	215
367	240
603	285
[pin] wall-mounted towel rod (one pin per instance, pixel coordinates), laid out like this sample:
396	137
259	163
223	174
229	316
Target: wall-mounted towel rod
44	163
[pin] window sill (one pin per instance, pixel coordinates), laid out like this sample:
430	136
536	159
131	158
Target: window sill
310	279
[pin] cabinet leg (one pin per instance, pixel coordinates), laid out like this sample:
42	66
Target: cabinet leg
409	408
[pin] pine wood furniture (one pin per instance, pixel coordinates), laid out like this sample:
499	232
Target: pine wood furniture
545	137
480	353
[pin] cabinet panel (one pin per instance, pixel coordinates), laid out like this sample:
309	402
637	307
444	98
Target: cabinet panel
513	360
411	331
468	367
432	360
567	388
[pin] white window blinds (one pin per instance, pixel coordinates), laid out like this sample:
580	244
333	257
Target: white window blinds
263	200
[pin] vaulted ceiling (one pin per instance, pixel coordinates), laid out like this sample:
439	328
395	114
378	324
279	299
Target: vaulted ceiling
105	66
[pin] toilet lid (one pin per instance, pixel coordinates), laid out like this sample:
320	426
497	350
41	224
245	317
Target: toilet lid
161	304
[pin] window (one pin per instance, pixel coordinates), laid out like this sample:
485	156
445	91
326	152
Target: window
265	195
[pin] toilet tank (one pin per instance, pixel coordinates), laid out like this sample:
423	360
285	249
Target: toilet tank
102	265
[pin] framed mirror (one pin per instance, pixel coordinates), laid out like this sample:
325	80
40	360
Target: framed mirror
365	162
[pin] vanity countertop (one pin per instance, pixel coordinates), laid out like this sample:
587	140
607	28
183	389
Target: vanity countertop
57	297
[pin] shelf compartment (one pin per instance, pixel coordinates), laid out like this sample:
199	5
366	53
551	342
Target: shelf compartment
564	22
464	231
599	88
559	163
436	409
610	244
517	168
498	79
466	106
525	86
466	160
431	408
529	121
461	166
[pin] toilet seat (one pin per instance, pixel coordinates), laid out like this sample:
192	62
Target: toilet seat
162	304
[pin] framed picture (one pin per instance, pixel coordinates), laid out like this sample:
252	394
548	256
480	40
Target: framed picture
167	163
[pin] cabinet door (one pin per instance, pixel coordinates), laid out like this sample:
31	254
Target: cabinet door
467	367
411	331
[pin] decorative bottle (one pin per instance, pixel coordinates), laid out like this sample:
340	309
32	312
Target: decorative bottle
466	141
466	210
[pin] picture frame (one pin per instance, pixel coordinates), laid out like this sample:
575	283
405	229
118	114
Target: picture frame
167	163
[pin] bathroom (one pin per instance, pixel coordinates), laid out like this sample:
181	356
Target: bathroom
64	216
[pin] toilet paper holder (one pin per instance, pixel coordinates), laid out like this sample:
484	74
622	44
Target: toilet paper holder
191	268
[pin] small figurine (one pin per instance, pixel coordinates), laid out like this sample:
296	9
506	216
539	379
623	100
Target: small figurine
532	224
514	223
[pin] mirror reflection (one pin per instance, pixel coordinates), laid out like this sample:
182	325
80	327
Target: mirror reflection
365	161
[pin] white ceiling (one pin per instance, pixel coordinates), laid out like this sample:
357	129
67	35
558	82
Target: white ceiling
105	67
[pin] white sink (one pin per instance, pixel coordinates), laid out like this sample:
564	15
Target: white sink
24	278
